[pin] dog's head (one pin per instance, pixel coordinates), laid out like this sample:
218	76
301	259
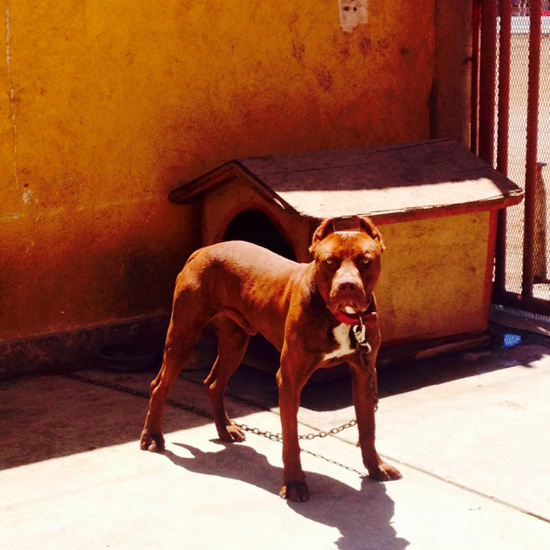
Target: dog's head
347	262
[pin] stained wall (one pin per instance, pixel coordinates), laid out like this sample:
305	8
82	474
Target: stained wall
106	106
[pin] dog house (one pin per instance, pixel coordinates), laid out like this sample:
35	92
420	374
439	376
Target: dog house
435	204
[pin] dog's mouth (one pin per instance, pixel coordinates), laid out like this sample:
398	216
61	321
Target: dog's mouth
352	313
351	307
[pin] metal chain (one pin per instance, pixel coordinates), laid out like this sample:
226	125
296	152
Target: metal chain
201	412
279	437
137	393
335	463
358	337
357	334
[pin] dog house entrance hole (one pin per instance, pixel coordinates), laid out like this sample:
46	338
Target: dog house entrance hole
255	227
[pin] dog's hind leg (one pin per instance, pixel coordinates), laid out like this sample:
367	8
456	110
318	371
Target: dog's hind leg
183	334
232	344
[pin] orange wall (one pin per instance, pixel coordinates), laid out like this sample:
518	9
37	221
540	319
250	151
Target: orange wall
106	106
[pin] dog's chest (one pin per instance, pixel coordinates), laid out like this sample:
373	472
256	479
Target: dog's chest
343	343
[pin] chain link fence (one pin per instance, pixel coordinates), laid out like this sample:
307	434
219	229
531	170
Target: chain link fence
517	119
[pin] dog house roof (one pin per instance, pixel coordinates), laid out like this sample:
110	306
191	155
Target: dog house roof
417	179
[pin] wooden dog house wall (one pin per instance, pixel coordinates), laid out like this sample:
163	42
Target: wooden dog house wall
435	203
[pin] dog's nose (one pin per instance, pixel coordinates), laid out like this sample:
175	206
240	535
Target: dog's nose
348	286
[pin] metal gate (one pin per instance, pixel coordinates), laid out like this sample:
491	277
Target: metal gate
511	130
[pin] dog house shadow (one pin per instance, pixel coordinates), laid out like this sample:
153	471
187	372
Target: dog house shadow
435	203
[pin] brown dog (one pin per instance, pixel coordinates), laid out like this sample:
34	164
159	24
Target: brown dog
305	310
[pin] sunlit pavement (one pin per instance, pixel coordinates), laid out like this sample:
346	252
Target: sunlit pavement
469	433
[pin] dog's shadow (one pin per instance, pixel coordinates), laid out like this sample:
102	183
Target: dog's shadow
363	517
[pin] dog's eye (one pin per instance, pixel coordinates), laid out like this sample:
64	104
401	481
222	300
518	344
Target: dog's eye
329	261
365	261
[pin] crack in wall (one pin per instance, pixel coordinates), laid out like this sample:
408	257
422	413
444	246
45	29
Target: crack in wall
11	96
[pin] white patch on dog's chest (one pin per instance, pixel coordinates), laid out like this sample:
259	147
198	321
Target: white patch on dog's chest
341	335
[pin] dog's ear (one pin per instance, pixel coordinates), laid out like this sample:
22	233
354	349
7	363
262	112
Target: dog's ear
368	227
323	231
355	223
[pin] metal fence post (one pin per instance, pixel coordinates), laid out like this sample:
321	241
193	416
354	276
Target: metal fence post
532	143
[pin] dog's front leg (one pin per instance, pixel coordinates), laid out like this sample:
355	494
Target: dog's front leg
364	398
290	386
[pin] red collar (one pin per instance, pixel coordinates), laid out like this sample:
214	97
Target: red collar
367	317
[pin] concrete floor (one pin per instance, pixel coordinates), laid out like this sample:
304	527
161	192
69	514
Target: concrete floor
469	433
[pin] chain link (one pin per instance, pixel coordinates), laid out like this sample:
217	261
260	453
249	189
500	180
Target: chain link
137	393
196	410
191	408
279	437
363	348
335	463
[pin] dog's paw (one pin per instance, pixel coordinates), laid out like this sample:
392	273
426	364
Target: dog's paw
152	442
384	472
232	434
297	491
